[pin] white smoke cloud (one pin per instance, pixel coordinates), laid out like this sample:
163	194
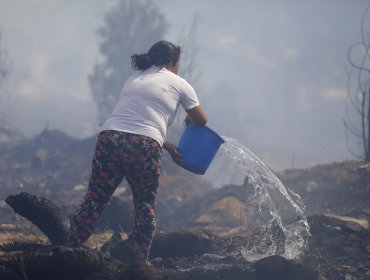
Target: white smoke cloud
334	93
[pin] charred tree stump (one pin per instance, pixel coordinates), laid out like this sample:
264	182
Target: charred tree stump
43	213
61	263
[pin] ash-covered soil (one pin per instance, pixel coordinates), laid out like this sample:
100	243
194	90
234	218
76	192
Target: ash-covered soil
205	243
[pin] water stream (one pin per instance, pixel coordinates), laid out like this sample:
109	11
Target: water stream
274	214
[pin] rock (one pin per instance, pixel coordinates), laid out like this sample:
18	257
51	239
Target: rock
122	251
223	213
180	244
165	245
362	222
213	257
214	272
337	248
140	271
311	186
279	268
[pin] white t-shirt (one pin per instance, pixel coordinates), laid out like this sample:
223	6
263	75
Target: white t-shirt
149	101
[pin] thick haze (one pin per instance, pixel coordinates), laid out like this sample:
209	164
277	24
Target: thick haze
274	72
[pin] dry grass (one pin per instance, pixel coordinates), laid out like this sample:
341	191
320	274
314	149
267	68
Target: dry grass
11	232
6	236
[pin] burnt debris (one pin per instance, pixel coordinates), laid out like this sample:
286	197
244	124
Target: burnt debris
43	213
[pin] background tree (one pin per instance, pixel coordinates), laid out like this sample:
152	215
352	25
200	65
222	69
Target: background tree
131	26
3	70
189	69
4	91
7	125
358	124
191	53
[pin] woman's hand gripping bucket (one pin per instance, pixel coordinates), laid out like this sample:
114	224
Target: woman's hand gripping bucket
198	147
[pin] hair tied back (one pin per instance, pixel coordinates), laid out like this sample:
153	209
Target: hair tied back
160	54
141	61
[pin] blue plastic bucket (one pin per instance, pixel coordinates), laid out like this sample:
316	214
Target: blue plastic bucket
198	146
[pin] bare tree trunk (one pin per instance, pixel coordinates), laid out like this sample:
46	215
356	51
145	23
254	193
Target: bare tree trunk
363	121
359	95
367	150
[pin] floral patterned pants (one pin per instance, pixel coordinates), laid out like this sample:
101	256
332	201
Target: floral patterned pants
121	155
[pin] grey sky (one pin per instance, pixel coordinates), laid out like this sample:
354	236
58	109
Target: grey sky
274	71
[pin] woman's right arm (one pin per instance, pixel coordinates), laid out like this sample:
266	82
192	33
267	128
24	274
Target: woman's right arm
189	99
196	116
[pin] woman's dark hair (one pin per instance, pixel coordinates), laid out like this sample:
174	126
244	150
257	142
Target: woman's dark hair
160	54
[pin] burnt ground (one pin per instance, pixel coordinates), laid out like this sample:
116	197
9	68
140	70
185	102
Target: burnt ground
204	244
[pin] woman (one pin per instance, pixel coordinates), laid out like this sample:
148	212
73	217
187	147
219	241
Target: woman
131	140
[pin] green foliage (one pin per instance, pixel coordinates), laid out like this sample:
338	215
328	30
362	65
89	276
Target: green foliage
131	26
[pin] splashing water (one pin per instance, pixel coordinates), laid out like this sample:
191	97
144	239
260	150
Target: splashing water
279	220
